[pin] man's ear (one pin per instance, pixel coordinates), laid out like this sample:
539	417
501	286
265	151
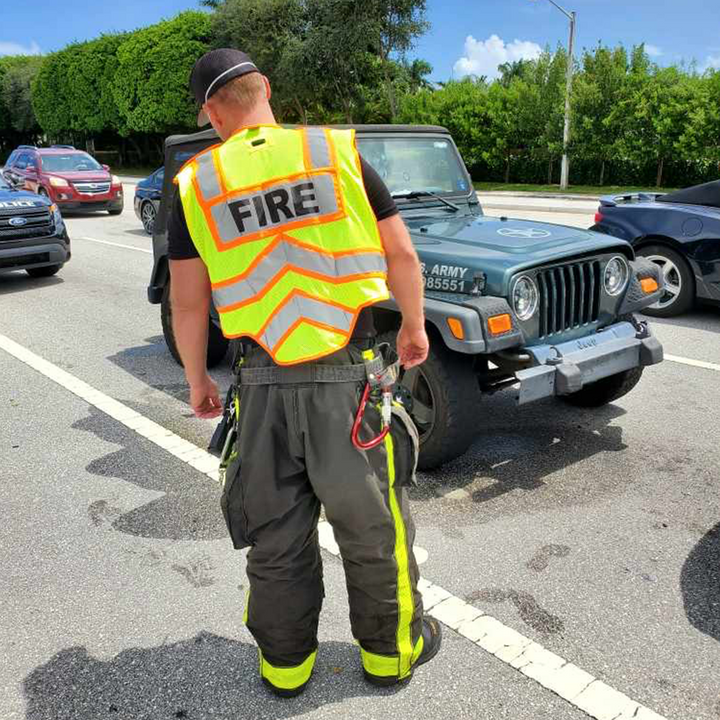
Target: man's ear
268	89
214	116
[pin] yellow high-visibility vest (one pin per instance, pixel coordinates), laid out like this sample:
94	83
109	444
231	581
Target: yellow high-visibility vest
282	221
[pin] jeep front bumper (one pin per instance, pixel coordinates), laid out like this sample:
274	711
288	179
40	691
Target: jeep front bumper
566	368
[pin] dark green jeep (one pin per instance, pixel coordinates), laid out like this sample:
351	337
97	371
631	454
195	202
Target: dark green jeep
545	310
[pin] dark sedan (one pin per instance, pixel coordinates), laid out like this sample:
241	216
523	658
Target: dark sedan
680	232
147	199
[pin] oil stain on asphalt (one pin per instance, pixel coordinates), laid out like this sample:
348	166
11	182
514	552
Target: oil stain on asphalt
542	557
530	611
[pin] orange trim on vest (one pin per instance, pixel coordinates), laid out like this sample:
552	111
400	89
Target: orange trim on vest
282	237
319	355
303	273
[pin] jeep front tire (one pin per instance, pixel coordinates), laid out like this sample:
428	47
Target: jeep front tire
217	342
442	396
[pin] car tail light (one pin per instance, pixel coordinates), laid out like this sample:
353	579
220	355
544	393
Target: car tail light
599	217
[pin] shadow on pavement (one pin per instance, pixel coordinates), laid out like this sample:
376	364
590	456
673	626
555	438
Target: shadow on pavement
700	584
139	233
701	318
19	281
188	509
152	364
520	456
207	676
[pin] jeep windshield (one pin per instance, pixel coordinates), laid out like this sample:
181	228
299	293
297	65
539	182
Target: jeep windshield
416	167
72	162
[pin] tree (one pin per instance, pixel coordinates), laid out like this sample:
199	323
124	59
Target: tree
270	31
150	86
597	91
17	117
397	24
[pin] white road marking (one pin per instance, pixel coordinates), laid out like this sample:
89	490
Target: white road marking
693	363
120	245
553	672
421	554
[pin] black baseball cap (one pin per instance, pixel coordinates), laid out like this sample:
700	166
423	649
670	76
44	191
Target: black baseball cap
215	69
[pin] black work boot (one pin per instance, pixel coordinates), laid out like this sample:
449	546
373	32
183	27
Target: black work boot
280	692
432	638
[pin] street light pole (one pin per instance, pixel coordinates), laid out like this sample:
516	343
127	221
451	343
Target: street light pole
565	170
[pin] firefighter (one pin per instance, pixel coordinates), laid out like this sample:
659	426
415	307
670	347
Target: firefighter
294	237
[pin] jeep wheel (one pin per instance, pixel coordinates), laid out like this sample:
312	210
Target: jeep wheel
606	390
217	342
679	294
442	396
41	272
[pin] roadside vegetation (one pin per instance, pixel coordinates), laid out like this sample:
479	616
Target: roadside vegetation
635	124
590	190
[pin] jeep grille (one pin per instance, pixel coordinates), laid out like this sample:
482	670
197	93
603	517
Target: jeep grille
569	296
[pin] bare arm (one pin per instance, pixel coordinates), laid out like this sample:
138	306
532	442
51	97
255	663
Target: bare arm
405	281
190	299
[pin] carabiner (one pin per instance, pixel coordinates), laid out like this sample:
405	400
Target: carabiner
357	442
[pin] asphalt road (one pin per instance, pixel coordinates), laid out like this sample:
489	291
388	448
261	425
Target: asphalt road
595	534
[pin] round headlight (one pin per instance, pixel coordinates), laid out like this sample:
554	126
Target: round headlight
616	276
525	298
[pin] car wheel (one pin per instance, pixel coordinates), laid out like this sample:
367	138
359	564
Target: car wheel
679	294
41	272
442	396
605	391
147	215
217	342
118	211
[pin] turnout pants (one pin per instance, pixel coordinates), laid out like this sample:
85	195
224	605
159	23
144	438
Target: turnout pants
294	454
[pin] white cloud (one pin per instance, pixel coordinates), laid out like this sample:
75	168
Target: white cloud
653	50
482	57
712	62
13	48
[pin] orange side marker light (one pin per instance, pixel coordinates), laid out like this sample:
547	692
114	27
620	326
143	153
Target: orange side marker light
649	285
499	324
456	328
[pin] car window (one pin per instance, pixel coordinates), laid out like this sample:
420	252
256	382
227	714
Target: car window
22	160
70	162
12	158
408	164
159	177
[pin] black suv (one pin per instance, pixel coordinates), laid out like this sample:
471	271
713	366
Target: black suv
33	236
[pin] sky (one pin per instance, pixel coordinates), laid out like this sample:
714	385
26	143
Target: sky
466	36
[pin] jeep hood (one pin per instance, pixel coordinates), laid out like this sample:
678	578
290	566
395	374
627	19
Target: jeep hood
502	247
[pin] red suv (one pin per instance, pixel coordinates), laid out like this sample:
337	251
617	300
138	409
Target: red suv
71	178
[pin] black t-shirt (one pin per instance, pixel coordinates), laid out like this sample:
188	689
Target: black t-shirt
181	246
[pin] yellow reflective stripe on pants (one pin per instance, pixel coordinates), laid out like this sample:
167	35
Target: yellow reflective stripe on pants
287	678
388	665
401	664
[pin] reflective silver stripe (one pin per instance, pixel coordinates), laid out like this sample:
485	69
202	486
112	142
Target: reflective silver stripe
223	74
275	207
319	148
286	254
302	307
207	177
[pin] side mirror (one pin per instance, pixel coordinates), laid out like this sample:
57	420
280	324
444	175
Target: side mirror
106	168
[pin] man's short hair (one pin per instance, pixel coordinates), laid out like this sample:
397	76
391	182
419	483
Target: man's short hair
243	92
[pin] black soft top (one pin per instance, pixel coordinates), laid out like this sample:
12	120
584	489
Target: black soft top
707	194
209	135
